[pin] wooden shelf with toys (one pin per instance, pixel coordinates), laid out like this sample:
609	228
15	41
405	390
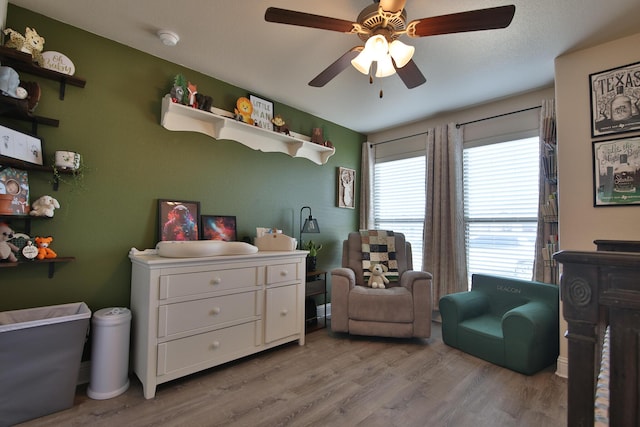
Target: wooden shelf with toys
50	262
24	62
21	240
178	117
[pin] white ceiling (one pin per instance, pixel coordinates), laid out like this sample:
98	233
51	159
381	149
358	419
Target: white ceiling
230	40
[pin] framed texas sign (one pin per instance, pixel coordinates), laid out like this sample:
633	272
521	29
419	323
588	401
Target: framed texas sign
615	100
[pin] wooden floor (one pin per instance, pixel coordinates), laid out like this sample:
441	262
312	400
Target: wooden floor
338	380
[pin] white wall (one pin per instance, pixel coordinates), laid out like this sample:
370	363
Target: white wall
581	223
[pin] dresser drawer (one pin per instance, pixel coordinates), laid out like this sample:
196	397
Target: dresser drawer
211	348
190	315
281	312
281	273
179	285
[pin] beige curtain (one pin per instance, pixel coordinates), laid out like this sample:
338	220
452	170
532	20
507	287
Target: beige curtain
545	268
366	187
444	253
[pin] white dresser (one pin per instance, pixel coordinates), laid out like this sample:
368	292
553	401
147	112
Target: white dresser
190	314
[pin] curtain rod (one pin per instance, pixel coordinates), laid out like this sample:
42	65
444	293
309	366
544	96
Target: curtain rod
459	124
497	116
398	139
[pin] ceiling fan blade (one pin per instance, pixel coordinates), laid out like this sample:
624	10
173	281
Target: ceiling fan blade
392	5
410	75
336	68
473	20
291	17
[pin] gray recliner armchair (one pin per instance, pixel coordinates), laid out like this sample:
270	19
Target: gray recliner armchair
402	309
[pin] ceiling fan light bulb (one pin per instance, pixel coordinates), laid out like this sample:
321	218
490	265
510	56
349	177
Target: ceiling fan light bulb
378	46
362	62
385	67
401	53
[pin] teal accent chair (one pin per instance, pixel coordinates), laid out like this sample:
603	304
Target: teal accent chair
509	322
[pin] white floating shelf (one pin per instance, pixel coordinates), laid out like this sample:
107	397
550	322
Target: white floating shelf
178	117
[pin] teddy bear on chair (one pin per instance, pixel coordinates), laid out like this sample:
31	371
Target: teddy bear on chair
378	278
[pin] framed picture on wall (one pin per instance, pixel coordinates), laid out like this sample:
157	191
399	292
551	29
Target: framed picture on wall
20	146
219	227
615	95
178	220
345	193
616	172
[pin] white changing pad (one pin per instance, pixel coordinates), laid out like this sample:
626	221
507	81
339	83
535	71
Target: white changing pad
203	248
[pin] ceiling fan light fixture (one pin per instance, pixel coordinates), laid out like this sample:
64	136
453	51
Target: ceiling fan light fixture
375	49
401	53
362	62
385	67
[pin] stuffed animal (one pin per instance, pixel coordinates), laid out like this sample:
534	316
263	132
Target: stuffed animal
377	278
44	206
243	110
7	249
31	43
44	251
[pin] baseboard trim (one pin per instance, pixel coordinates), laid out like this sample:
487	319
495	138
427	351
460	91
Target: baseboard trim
562	367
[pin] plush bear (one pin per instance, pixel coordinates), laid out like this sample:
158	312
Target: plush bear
44	206
44	251
31	43
377	278
7	249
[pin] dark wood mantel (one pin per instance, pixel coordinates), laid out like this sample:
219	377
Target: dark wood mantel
597	289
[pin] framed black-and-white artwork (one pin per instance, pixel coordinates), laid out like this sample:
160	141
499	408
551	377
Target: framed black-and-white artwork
262	112
615	95
616	172
20	146
219	227
345	193
178	220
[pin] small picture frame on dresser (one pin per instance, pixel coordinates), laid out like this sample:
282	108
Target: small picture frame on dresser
219	227
178	220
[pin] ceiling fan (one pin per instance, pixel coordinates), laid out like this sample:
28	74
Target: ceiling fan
379	26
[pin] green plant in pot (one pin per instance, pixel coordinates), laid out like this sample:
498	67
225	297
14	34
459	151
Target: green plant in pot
68	168
312	259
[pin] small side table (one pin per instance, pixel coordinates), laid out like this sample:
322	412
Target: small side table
316	284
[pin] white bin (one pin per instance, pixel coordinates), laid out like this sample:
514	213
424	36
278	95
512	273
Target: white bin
40	353
109	353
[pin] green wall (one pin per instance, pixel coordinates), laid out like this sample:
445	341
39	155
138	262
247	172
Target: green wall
132	161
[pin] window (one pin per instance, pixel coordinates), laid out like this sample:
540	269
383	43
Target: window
501	207
399	199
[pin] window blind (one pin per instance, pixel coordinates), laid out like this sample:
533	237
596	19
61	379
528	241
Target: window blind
399	200
501	207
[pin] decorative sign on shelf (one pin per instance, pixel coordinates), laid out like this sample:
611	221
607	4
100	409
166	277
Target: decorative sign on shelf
57	61
262	112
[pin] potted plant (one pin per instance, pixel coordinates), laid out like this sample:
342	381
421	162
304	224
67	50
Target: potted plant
312	259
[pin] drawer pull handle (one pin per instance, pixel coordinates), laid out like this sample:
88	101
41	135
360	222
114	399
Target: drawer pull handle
215	310
284	312
284	273
216	281
215	345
